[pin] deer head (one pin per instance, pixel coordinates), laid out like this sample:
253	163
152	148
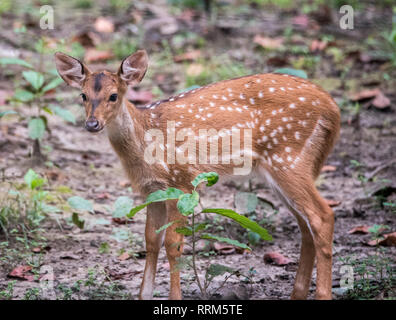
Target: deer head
102	92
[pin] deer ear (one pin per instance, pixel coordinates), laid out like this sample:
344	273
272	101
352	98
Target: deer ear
134	67
71	70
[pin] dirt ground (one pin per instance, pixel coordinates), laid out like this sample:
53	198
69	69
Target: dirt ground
87	165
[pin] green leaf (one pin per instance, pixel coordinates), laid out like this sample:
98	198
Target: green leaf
215	270
36	79
246	202
36	128
292	72
242	220
77	221
165	226
33	179
163	195
52	84
80	203
210	177
157	196
5	61
4	113
186	231
225	240
137	209
187	203
122	206
253	238
64	114
49	209
23	95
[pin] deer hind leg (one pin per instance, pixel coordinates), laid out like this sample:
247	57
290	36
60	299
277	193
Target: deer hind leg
174	248
316	222
307	259
156	218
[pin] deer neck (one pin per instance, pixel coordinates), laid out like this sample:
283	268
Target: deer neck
126	135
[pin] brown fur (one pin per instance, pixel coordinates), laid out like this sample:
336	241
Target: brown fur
290	145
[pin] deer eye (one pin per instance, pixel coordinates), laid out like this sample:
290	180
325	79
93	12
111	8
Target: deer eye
113	97
83	96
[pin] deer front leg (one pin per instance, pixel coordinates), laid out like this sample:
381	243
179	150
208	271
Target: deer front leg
156	218
174	249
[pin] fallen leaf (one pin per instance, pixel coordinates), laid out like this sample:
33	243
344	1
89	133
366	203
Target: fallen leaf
268	43
188	56
195	69
301	20
102	196
364	94
333	203
124	256
388	240
224	248
139	96
41	249
277	61
87	39
114	275
328	168
381	101
318	45
55	175
276	258
359	230
104	25
22	273
122	220
94	55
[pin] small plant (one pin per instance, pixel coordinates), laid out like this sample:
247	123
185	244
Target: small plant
375	275
8	293
186	204
23	208
38	84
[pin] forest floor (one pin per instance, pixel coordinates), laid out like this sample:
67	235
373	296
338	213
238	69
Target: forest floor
89	263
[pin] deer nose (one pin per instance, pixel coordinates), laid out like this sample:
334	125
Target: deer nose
92	125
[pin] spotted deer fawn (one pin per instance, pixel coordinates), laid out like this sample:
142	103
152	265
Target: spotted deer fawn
292	125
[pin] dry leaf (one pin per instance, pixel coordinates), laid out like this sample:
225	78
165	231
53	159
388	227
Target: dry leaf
87	39
328	168
364	94
104	25
268	43
359	230
381	101
122	220
22	273
124	256
388	240
102	196
224	248
276	258
318	45
93	55
333	203
188	56
301	20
